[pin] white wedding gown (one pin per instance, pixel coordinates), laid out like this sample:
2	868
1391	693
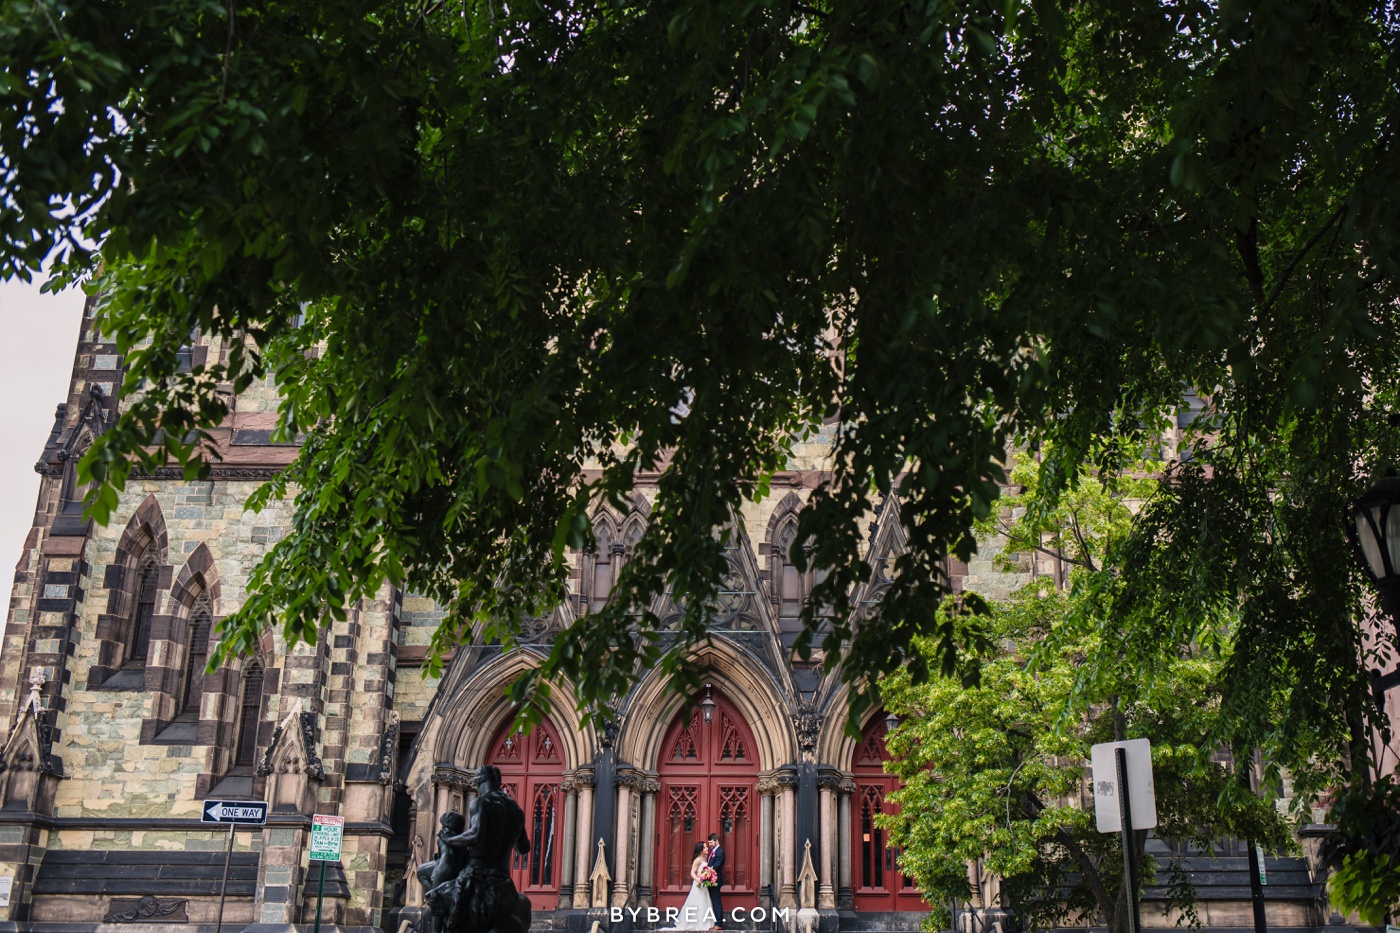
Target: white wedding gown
696	913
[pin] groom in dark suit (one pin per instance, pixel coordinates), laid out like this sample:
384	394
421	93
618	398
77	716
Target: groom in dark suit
716	861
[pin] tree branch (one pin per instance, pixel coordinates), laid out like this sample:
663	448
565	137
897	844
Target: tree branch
1084	545
1307	248
1089	870
1247	245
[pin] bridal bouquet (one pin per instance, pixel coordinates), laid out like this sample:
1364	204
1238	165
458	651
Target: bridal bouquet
708	877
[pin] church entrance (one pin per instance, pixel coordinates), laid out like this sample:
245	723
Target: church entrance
532	767
876	878
708	774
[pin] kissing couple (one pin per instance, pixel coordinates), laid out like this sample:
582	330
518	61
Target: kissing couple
703	909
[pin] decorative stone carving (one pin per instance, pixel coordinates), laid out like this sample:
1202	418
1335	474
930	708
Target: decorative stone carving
389	750
650	786
146	909
539	630
29	771
807	722
600	880
457	780
830	779
216	471
34	701
293	748
30	747
629	778
786	779
584	777
768	785
291	763
609	736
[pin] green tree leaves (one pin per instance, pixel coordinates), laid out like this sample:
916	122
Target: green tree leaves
997	771
522	235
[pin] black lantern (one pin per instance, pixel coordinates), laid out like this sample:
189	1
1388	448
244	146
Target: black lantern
891	720
707	707
1374	529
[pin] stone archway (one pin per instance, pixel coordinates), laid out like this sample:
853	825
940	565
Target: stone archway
708	774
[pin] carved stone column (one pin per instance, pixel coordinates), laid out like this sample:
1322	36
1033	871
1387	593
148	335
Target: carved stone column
845	895
646	842
566	858
623	836
787	852
827	782
767	788
442	802
583	838
454	790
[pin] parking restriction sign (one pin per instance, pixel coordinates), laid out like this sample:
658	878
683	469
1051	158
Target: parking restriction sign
325	837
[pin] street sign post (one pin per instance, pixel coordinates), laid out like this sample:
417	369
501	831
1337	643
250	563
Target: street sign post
326	834
233	813
1124	801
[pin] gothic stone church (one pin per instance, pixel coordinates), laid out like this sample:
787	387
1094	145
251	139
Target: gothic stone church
114	735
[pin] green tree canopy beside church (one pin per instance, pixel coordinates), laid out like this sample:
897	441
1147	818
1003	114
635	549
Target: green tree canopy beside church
994	760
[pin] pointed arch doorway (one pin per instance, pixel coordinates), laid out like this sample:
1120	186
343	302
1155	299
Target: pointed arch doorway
878	883
708	774
532	768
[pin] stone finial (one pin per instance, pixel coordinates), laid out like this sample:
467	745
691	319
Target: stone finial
600	879
33	701
807	880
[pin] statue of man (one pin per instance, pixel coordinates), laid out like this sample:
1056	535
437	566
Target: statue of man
468	887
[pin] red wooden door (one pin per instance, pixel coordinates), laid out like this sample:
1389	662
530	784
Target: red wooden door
875	876
531	768
708	774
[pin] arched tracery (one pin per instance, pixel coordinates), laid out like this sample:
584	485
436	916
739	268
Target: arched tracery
532	770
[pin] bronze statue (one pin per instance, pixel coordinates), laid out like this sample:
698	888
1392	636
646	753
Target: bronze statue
468	887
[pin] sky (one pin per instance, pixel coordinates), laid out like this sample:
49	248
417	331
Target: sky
38	336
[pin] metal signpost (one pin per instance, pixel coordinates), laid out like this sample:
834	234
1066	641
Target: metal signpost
1258	877
1125	801
326	832
233	813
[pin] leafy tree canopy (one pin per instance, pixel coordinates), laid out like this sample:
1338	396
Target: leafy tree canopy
542	248
997	771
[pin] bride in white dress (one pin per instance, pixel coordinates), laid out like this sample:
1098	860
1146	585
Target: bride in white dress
696	913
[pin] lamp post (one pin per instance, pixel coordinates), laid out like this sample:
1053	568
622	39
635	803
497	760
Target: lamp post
891	720
1374	529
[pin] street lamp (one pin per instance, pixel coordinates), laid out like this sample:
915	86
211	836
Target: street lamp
1374	529
891	720
707	707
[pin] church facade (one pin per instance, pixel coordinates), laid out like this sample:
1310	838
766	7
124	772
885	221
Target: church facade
114	735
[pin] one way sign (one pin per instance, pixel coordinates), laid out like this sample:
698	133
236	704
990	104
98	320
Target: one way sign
253	812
